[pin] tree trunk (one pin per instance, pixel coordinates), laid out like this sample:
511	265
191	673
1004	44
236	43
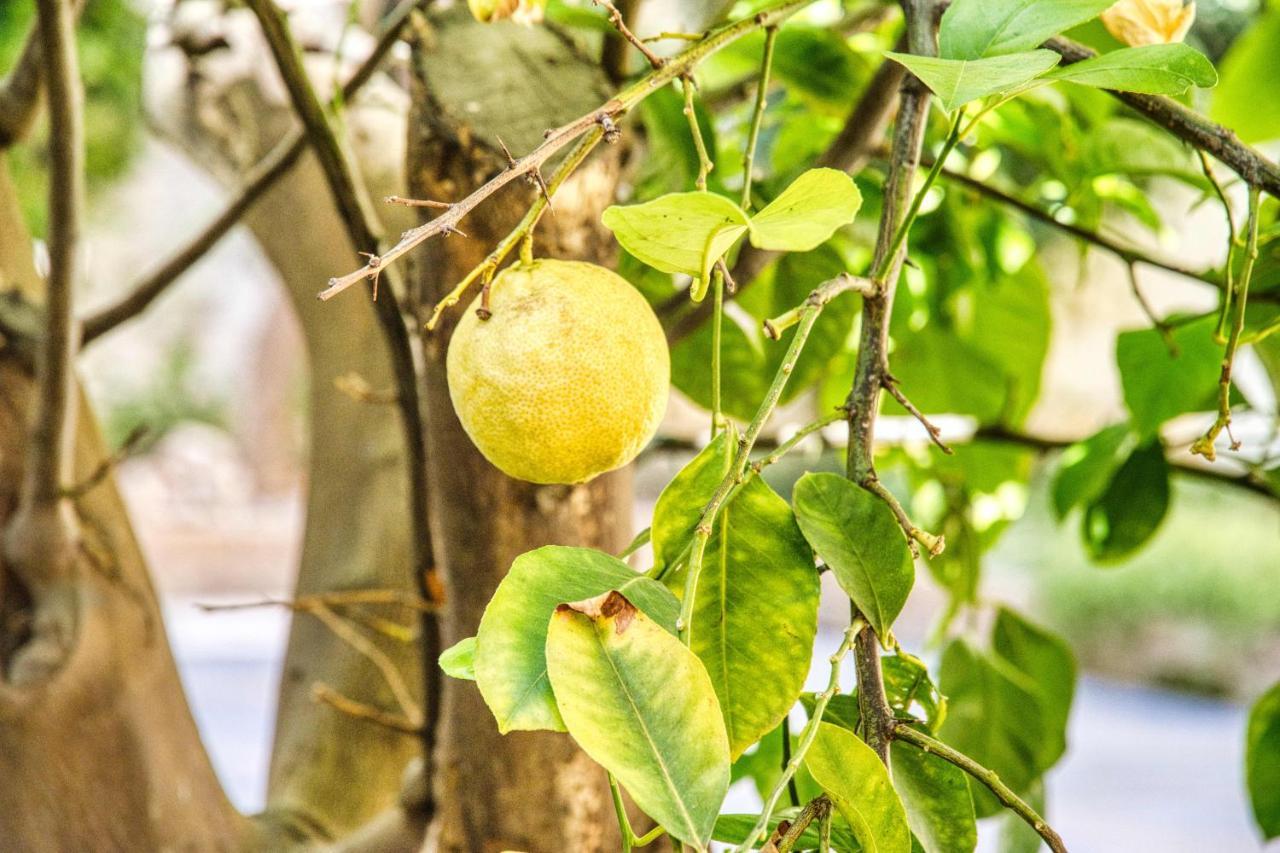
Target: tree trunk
475	83
103	755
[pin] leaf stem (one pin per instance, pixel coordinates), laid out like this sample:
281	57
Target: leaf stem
705	164
717	322
1002	792
807	736
757	116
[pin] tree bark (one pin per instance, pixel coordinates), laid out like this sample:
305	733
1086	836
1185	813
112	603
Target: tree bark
103	754
473	84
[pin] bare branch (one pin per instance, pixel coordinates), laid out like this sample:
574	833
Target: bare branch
1189	126
604	116
618	20
275	165
363	711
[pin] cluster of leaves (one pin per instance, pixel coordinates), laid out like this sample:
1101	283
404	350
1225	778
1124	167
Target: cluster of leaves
575	640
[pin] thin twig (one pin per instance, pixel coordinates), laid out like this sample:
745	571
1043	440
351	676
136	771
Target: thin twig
262	177
705	164
604	116
807	736
757	116
338	598
1166	333
894	387
127	448
1002	792
1204	445
322	692
619	23
365	647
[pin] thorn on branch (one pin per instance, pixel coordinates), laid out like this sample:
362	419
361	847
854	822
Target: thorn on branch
891	384
616	19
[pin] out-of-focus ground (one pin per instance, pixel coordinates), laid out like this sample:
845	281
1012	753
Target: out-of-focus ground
217	505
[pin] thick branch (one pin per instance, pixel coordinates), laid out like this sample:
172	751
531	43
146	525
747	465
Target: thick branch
1002	792
872	365
347	198
261	178
1190	126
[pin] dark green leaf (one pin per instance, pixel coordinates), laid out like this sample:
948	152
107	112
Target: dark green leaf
510	659
641	705
1154	69
992	717
856	534
936	796
907	684
957	82
1050	669
945	374
1262	762
1131	509
1086	467
975	28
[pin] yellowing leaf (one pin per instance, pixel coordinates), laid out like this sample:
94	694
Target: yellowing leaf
806	213
1139	22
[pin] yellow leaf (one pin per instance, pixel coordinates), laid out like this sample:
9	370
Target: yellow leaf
1142	22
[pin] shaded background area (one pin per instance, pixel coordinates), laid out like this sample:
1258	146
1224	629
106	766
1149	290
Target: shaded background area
1171	642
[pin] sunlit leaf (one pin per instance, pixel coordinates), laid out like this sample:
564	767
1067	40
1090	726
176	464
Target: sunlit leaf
1157	69
641	705
936	796
683	499
1160	384
957	82
459	660
510	657
1086	467
858	784
974	28
806	213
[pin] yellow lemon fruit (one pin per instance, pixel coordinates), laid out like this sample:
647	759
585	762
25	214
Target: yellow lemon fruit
567	379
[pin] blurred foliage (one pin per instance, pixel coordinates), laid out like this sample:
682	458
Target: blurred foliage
111	40
169	399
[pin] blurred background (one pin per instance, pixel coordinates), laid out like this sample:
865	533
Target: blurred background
1171	643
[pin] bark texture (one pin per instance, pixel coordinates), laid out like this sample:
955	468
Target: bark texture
103	754
530	791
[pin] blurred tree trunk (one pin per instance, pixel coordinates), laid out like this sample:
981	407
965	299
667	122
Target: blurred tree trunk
473	84
103	755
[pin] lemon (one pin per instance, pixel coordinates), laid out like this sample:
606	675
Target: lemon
567	379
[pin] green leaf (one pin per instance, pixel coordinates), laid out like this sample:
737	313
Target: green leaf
842	709
857	536
851	773
807	213
992	717
641	705
1086	467
1262	762
755	613
1131	509
1248	68
907	684
975	28
510	660
459	660
1153	69
679	232
1159	384
936	796
682	501
733	829
956	82
943	373
1050	669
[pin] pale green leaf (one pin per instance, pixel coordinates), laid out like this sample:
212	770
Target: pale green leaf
858	784
1262	762
936	796
957	82
510	658
975	28
1154	69
679	232
641	705
1250	67
807	212
459	660
755	612
857	536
